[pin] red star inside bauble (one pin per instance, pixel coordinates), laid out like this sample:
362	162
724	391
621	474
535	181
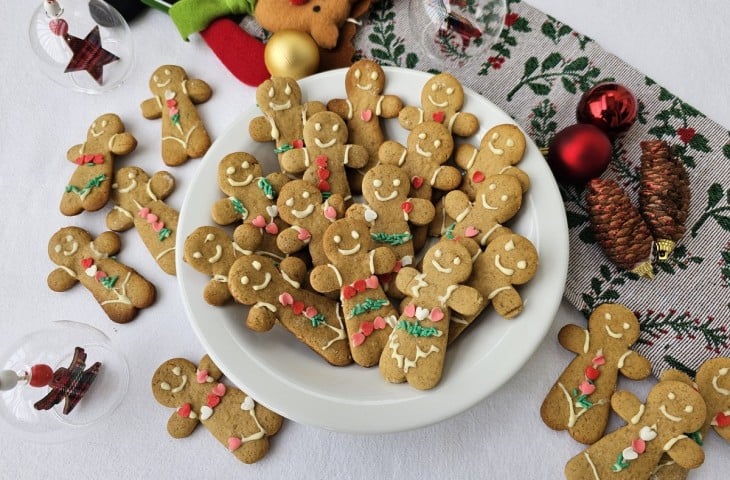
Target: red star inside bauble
89	55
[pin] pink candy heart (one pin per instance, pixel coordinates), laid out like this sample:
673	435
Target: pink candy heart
259	221
330	213
599	360
286	299
233	443
304	235
586	388
219	390
436	315
157	226
410	310
358	339
152	218
144	212
272	228
366	115
379	323
201	376
471	232
638	445
372	282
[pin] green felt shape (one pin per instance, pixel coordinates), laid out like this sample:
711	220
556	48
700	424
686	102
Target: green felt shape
192	16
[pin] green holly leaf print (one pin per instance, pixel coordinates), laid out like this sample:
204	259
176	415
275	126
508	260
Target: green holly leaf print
725	266
574	74
542	123
726	150
390	49
679	260
502	48
714	210
604	287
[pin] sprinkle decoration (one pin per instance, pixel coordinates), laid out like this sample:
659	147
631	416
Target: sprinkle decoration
172	110
92	270
369	305
86	189
359	286
89	159
393	239
637	447
323	175
299	308
157	224
587	386
367	329
415	329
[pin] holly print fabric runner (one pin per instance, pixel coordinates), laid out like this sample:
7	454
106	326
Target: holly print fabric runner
536	72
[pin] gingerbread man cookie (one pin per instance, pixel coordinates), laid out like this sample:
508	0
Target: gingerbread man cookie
326	155
284	114
498	199
442	99
90	184
659	426
278	295
174	98
427	148
501	148
212	251
300	205
229	414
363	108
354	265
119	289
713	380
416	348
579	399
139	202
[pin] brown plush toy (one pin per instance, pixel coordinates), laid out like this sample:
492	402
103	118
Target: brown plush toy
300	205
416	348
284	114
363	108
139	202
326	155
90	184
497	200
354	265
174	98
119	289
579	400
442	98
229	414
322	19
276	294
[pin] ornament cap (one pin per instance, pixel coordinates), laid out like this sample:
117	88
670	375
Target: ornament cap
664	248
644	269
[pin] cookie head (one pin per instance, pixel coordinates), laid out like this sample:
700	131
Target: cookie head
677	406
167	78
172	381
442	92
385	184
65	245
431	142
238	170
515	256
506	142
208	249
614	323
364	76
346	239
130	188
447	260
499	196
325	130
249	277
278	94
104	127
297	201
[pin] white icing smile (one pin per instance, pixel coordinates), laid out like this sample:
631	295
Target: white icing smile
422	152
95	134
218	254
669	416
351	251
486	204
163	84
179	388
718	388
492	148
280	106
385	198
443	104
321	144
264	284
502	268
367	87
613	334
132	185
71	251
438	267
242	183
303	213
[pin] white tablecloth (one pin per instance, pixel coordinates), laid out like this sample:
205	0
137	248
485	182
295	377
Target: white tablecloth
682	45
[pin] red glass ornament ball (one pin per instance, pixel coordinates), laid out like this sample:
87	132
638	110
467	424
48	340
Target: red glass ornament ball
609	106
40	375
579	153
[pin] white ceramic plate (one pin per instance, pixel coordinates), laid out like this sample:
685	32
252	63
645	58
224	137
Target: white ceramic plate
278	371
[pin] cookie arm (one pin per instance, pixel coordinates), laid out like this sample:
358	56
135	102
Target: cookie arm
465	124
626	405
390	106
423	211
444	177
294	268
324	279
277	180
260	319
404	280
294	161
151	108
357	211
198	90
465	156
259	129
289	240
74	152
384	260
341	107
409	117
635	366
687	453
337	202
162	184
392	153
61	279
466	300
122	143
216	293
573	338
179	426
356	156
119	220
456	202
247	237
108	243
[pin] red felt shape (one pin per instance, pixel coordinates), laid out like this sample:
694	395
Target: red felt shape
242	54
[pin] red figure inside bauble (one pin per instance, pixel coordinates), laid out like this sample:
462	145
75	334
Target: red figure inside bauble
609	106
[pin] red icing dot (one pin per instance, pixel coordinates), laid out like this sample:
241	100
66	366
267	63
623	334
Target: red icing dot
722	420
297	307
592	373
438	116
478	177
298	143
416	182
40	375
348	292
87	262
360	285
406	207
367	328
323	173
323	186
212	400
321	161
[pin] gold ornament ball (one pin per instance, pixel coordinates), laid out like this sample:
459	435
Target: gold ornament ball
291	53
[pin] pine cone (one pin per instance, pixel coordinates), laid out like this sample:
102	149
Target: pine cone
618	227
664	194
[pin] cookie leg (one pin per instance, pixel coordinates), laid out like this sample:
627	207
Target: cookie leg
391	360
581	467
140	292
555	409
174	151
198	142
71	204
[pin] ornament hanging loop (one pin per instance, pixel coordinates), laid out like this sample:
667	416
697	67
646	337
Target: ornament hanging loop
52	8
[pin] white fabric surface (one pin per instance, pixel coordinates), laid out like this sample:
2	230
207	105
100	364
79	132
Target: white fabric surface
682	45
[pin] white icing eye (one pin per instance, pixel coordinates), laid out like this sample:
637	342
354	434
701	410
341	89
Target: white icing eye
522	264
374	76
422	136
289	202
337	239
438	253
155	78
510	142
271	92
256	265
176	371
689	409
69	238
335	127
305	194
504	198
197	255
434	87
244	280
132	175
210	237
318	126
287	90
355	235
377	183
492	186
58	248
104	123
396	182
449	91
245	165
671	396
457	261
437	143
607	316
495	135
167	71
230	170
626	326
509	246
357	74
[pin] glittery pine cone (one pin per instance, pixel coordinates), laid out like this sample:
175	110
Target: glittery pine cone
664	194
618	227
